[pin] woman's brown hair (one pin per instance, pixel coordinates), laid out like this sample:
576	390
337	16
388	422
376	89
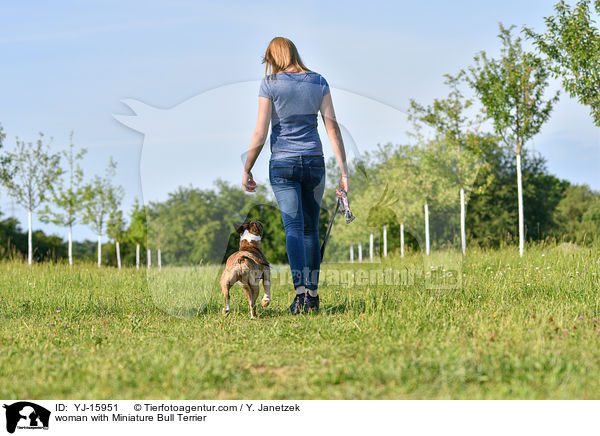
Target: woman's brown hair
280	55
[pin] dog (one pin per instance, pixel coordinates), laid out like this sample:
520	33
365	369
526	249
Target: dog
247	267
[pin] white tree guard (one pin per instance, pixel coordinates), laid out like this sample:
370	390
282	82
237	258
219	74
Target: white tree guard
426	229
118	255
384	241
520	195
402	240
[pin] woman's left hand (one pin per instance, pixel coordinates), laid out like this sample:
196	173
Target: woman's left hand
248	182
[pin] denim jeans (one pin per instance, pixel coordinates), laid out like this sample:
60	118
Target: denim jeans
298	184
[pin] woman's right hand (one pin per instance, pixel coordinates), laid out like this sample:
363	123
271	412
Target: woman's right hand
248	182
344	184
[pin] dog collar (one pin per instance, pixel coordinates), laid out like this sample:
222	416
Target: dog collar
250	236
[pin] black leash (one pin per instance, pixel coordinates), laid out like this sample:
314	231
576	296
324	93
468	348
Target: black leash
328	232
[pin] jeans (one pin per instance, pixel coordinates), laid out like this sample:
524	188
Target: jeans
298	184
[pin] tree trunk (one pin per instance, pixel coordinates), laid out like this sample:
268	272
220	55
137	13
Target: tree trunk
137	256
463	232
159	259
29	239
520	195
371	247
402	240
359	252
426	229
149	258
70	245
118	255
99	250
352	254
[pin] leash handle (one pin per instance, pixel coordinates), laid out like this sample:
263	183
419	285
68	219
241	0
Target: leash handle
343	205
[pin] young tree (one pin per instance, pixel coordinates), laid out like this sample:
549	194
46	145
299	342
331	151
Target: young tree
572	43
29	175
3	158
456	133
115	228
137	232
511	90
99	199
67	196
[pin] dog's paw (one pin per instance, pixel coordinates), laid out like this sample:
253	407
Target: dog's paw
265	302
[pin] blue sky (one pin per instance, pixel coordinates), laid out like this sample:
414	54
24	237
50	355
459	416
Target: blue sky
67	65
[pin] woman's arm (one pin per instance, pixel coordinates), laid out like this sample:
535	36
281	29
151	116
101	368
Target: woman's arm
335	138
256	143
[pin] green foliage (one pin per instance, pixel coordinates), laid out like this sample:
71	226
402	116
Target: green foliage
577	215
196	226
115	228
101	199
137	232
67	192
13	243
511	90
492	216
400	180
30	172
3	158
572	43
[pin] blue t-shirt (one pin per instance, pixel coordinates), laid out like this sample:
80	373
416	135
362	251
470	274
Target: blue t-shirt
296	99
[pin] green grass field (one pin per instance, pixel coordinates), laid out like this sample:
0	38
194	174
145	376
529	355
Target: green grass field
515	328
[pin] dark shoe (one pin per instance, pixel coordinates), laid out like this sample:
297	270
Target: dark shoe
312	303
298	304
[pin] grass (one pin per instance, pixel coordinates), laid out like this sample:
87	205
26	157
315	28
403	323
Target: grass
514	328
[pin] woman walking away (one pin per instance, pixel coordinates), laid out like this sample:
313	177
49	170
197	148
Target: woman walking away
290	97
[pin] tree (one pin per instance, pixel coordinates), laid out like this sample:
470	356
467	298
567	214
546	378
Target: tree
67	195
572	44
456	133
511	90
575	203
115	228
3	158
29	175
137	232
492	218
100	198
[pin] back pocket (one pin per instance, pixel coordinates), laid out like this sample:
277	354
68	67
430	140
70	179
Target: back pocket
280	173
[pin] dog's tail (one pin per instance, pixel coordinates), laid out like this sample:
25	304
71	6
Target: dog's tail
252	258
243	259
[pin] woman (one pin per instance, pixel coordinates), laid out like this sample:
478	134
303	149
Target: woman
290	97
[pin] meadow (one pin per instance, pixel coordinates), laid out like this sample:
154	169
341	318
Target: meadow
514	329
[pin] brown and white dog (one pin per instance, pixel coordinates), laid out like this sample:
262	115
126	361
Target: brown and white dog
247	267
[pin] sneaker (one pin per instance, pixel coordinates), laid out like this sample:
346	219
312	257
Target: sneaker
298	304
312	303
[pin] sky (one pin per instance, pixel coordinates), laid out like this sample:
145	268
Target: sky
169	89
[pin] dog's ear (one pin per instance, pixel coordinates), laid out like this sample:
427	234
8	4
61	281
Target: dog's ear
240	229
256	227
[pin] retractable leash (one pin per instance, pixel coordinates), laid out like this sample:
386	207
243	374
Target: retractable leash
342	203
